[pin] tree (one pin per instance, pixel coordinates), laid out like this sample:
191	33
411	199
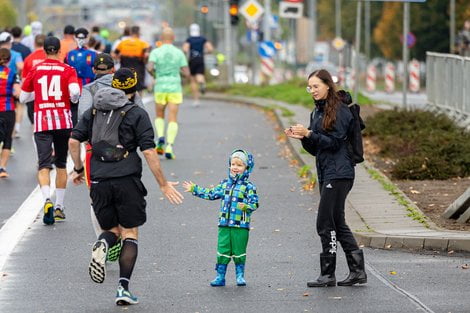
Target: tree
7	14
430	25
389	29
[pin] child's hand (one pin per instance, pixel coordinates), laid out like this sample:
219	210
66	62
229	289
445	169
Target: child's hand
242	206
188	186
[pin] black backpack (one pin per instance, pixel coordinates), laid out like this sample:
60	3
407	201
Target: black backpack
105	134
355	131
355	134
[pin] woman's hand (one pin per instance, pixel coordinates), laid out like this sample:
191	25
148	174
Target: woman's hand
297	131
187	186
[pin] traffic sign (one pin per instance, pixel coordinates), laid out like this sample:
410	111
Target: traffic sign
422	1
266	49
410	40
338	43
251	10
291	9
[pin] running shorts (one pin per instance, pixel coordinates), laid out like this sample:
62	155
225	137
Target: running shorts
44	141
7	124
164	98
119	201
196	66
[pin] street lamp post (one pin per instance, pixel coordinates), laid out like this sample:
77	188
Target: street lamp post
358	48
406	29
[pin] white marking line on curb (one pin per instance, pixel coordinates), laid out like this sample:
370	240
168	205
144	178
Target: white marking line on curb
395	287
17	225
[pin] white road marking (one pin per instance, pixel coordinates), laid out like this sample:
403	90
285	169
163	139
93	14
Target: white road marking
17	225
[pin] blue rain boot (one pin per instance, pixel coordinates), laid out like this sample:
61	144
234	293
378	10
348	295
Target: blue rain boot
240	272
220	278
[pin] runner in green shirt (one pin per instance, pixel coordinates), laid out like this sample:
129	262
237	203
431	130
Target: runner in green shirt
167	63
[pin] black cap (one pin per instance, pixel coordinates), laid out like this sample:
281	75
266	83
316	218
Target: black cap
125	79
51	45
103	62
81	32
69	30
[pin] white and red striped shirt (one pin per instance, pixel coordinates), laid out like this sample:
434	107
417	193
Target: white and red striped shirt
51	84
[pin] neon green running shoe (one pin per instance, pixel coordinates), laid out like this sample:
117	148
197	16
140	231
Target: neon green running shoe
160	144
169	152
115	251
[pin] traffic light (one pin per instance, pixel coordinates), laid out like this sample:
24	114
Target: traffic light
85	13
233	10
204	9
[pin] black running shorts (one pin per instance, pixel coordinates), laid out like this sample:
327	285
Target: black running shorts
7	124
44	141
196	66
119	201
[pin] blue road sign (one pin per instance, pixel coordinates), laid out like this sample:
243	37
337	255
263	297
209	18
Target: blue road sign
422	1
266	49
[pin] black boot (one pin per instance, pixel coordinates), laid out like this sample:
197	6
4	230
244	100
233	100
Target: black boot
327	276
357	272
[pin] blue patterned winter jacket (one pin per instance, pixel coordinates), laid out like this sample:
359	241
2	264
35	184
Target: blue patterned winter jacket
239	198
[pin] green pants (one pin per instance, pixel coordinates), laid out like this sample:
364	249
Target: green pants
232	243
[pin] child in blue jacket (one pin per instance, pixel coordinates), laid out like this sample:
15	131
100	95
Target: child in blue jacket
239	200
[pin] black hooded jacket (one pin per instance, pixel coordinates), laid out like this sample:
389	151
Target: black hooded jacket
333	159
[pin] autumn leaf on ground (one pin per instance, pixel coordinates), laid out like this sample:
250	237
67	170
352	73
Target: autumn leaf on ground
415	191
308	186
393	273
281	138
293	162
306	294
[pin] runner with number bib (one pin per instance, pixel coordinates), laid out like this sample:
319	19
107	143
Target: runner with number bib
53	86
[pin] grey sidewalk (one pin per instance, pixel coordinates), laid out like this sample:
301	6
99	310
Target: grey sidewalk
374	214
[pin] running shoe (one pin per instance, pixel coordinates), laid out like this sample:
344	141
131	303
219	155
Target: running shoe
160	144
59	214
48	209
169	152
3	173
115	251
97	266
125	297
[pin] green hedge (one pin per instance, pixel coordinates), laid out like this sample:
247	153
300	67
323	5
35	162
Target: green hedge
423	144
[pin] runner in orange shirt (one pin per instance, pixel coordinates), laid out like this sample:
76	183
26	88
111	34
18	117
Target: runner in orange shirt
133	53
67	43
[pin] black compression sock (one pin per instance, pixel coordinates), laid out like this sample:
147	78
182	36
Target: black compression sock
127	261
109	237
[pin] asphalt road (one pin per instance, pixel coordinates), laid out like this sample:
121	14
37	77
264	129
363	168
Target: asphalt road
47	271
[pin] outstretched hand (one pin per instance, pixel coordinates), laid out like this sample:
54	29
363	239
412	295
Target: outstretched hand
173	195
187	186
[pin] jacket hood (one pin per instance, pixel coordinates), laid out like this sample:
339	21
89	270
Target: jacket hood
105	79
344	96
109	98
249	166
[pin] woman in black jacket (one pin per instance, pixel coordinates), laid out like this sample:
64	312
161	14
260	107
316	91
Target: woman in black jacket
326	139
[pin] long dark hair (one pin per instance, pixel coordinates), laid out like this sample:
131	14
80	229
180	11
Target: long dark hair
332	100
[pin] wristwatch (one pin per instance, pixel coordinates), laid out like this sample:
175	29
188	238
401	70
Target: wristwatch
78	171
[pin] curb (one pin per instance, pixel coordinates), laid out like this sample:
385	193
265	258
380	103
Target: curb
441	240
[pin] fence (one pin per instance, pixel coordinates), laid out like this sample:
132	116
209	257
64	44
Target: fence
448	85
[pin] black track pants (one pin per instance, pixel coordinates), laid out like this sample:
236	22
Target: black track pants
331	223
